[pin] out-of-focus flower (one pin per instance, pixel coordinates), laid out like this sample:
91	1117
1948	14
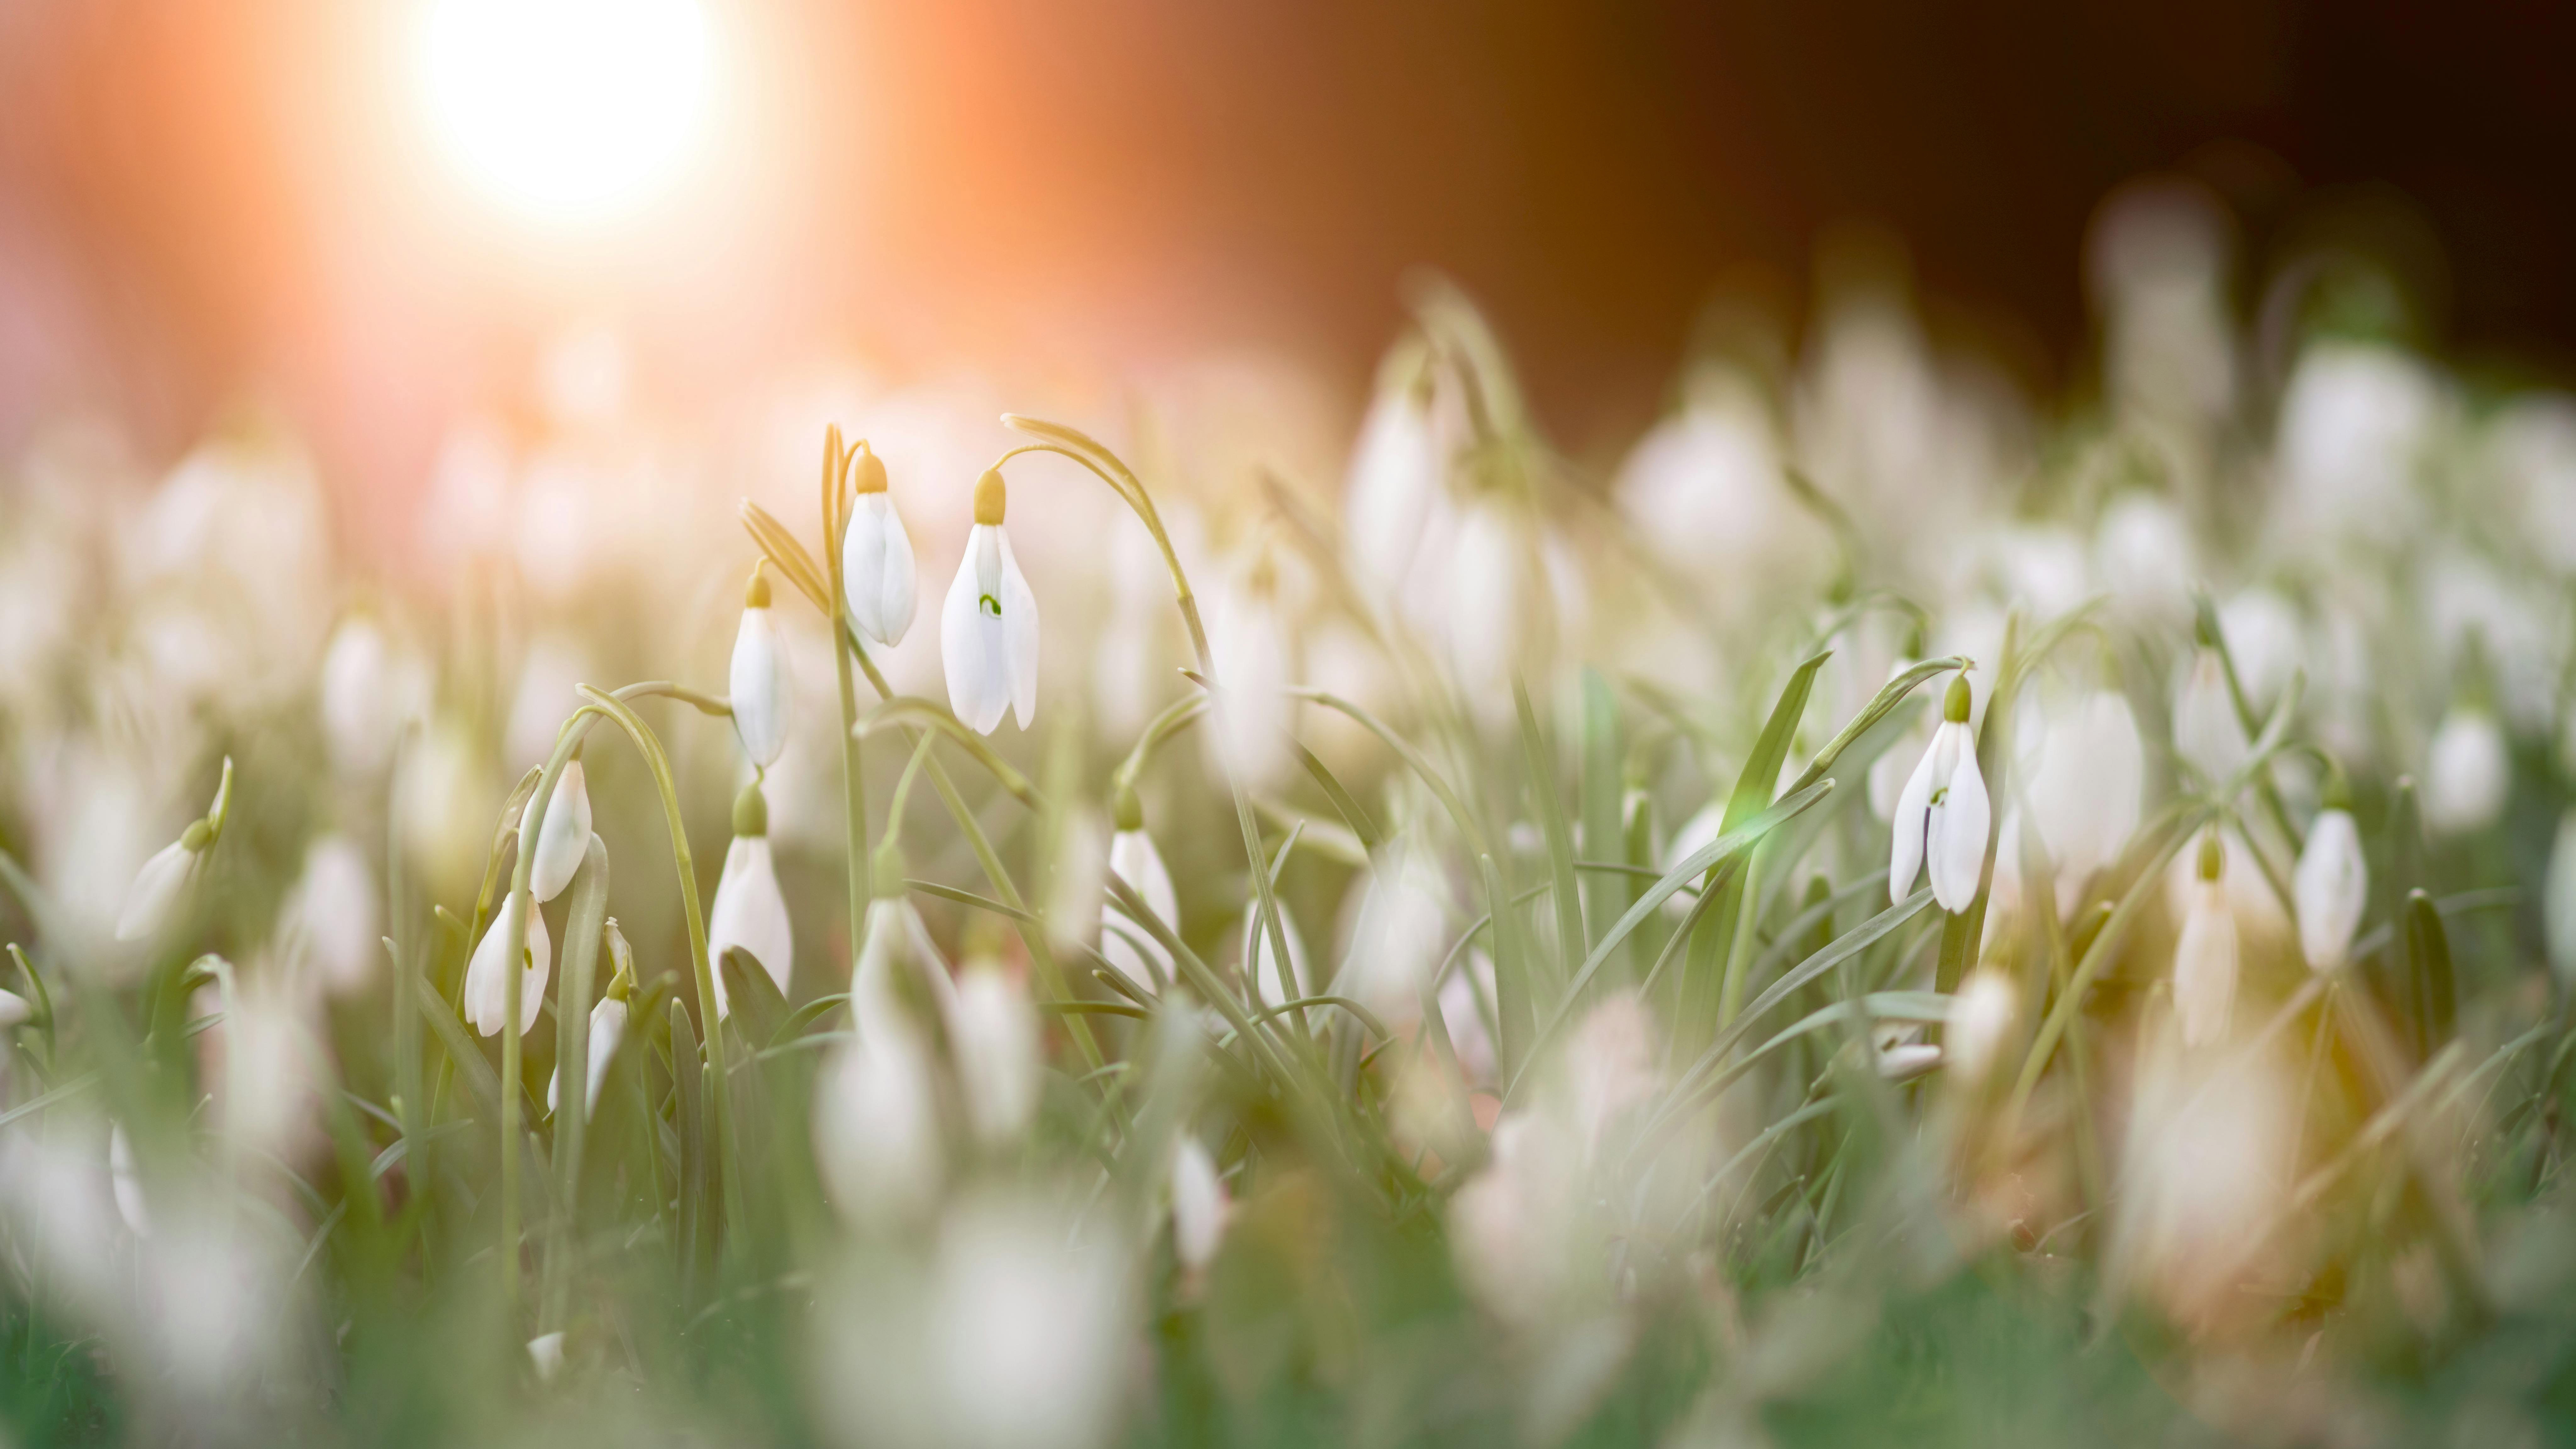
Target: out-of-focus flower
2533	441
330	921
1133	859
900	980
2086	793
127	1183
2466	772
1199	1205
761	691
2204	989
546	1355
1481	623
876	1124
749	910
1980	1016
272	1074
2354	422
2142	550
2206	731
1395	471
445	800
994	1031
1943	816
2558	900
2331	886
15	1010
2159	271
1248	738
370	689
488	975
160	889
876	557
607	1031
1395	938
1704	490
1899	1056
2265	639
1261	967
545	692
2206	1145
555	856
988	629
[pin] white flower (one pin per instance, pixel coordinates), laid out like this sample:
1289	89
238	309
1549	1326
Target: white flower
1980	1014
988	629
1130	949
2204	988
1198	1205
607	1031
2330	887
749	910
1397	931
1899	1058
2142	550
545	1355
1262	967
876	1125
759	679
899	967
2085	795
995	1033
2558	899
2353	422
1943	816
127	1183
330	918
368	692
487	976
2206	731
1484	601
564	838
876	558
15	1010
1395	471
1249	738
160	888
2466	772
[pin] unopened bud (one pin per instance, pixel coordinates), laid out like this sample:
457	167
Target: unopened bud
989	497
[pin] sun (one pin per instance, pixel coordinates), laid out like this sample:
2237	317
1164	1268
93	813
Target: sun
566	112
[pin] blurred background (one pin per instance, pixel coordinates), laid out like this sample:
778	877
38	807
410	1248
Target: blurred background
301	205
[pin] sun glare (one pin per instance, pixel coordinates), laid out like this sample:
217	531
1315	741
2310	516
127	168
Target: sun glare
566	111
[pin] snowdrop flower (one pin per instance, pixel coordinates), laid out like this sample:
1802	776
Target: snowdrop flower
995	1033
160	888
750	911
546	1355
2331	884
899	967
487	976
1129	948
2206	731
2558	900
2142	551
2204	988
369	691
876	557
2085	795
607	1032
1250	738
127	1183
759	679
1943	815
988	629
2466	772
15	1010
2353	423
876	1124
1199	1205
1485	600
564	838
1980	1014
331	916
1899	1058
1394	477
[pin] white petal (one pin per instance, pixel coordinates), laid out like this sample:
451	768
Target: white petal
970	640
15	1010
876	1132
1129	947
1198	1205
2330	887
877	569
607	1032
563	838
159	888
1913	819
487	976
1955	846
2466	773
760	688
2558	899
1019	635
750	912
996	1033
2204	986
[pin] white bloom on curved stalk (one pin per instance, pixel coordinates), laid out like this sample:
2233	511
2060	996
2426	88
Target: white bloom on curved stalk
2085	795
1130	949
160	888
749	910
1944	815
564	836
2206	731
2330	886
995	1031
1980	1014
2558	899
2204	987
1198	1205
487	976
876	1125
899	966
876	557
988	629
1394	476
759	678
330	919
2466	772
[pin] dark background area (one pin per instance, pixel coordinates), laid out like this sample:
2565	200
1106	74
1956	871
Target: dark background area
999	179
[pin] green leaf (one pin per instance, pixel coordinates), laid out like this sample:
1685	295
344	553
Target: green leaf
1566	904
1343	803
752	999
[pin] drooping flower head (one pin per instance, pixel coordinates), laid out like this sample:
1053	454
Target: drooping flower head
876	556
1943	817
160	888
988	629
2332	882
2204	987
1130	948
750	911
563	838
487	976
759	680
